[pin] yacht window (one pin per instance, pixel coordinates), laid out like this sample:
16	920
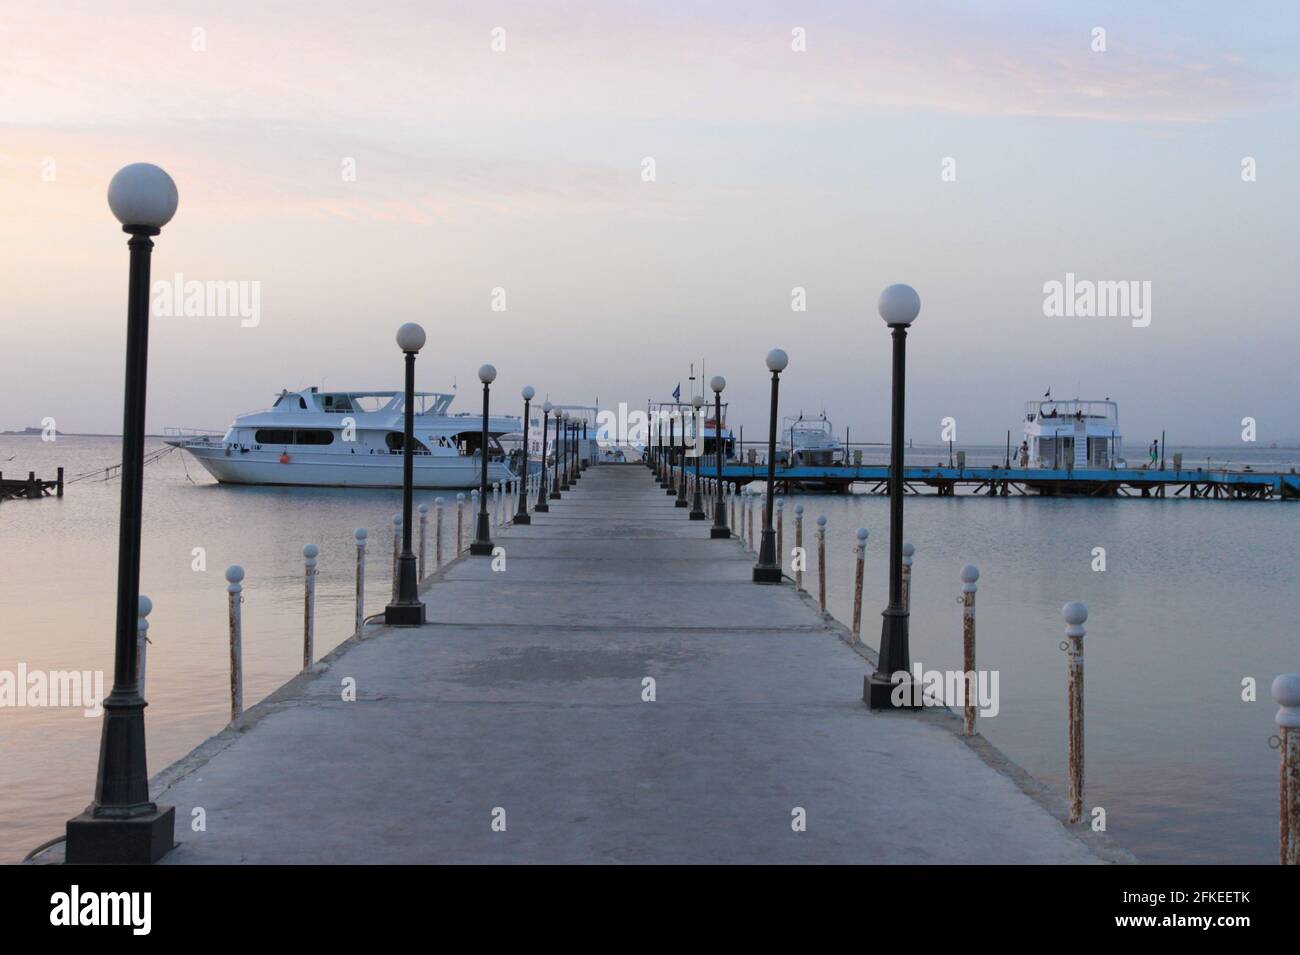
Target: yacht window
395	442
291	436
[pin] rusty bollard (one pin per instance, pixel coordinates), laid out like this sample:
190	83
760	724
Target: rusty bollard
424	525
143	609
908	551
460	523
234	592
860	552
309	553
780	531
731	497
397	548
798	546
749	521
1286	694
360	535
437	533
969	574
1075	613
821	563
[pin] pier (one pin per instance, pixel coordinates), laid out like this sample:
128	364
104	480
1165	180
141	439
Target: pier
1005	481
617	691
30	488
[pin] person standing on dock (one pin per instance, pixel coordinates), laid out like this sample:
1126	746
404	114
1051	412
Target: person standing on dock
1155	451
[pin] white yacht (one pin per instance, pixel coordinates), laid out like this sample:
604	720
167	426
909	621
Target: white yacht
353	439
1074	434
812	442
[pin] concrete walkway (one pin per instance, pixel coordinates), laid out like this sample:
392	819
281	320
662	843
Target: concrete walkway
522	701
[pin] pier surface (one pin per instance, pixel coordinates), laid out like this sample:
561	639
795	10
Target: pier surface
524	694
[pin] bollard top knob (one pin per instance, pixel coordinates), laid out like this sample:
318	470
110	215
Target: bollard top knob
310	551
145	607
437	502
361	534
1286	694
908	549
461	497
970	573
397	520
798	508
862	533
777	360
821	521
780	503
423	508
234	573
1075	613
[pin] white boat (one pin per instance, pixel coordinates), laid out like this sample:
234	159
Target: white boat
353	439
812	442
1075	434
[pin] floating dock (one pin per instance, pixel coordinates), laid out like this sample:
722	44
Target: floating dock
618	691
1003	481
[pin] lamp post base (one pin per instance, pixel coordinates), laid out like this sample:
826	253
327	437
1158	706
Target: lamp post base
541	508
481	548
767	575
699	516
680	503
137	840
522	518
879	692
719	533
398	614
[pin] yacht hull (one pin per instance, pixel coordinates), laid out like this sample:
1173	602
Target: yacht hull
307	469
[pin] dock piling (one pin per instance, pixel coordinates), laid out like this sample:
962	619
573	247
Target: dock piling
908	551
143	610
1075	614
437	533
969	574
798	546
821	563
1286	694
424	524
234	591
860	552
460	523
309	553
360	536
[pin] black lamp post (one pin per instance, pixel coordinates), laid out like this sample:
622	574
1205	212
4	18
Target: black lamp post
899	305
121	825
564	444
576	468
482	544
583	445
659	448
671	484
521	516
542	495
719	528
681	468
559	453
768	570
406	609
697	500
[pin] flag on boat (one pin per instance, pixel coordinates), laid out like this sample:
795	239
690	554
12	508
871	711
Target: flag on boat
677	392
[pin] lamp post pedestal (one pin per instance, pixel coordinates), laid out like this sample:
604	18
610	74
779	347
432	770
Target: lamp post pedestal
879	689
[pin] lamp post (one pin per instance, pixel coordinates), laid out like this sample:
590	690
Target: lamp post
768	569
719	528
659	449
576	468
899	305
122	825
482	544
559	451
584	444
541	504
697	500
406	609
562	462
521	515
672	452
681	468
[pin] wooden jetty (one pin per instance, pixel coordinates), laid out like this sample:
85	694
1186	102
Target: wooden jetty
1003	481
30	487
610	687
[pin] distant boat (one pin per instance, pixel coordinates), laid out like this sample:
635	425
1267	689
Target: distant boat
1071	434
352	439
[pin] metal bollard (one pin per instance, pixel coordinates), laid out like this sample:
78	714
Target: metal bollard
860	552
397	548
821	563
749	506
908	551
143	609
234	591
360	536
731	497
969	574
473	507
1286	694
780	531
424	524
437	533
1075	614
798	546
309	553
460	523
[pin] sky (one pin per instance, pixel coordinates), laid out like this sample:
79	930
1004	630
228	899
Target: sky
361	166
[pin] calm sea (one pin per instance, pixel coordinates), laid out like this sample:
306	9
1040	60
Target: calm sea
1195	598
